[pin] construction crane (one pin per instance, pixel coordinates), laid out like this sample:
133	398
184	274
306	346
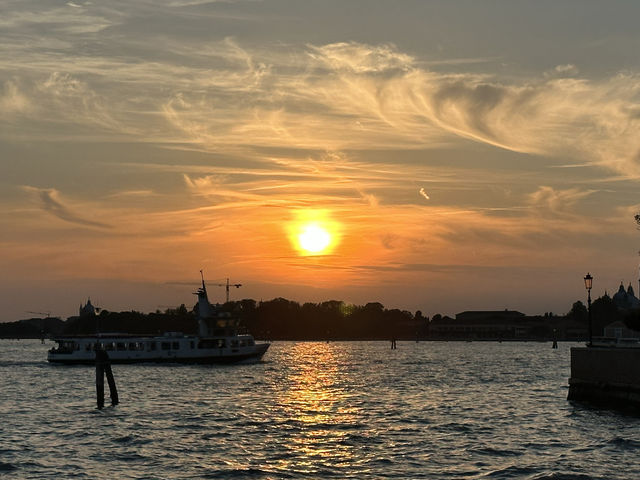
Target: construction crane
227	285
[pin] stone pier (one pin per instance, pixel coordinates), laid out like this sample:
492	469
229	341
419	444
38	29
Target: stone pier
606	375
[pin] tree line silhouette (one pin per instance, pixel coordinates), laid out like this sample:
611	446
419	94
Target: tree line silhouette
282	319
277	319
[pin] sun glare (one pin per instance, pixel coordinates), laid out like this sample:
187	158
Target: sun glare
314	238
313	232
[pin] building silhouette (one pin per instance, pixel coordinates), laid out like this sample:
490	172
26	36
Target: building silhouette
88	310
505	325
625	299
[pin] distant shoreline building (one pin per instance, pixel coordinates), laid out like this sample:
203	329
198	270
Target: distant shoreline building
626	299
505	325
88	310
618	330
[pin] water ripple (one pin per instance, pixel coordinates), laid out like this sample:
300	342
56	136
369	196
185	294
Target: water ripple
315	410
7	467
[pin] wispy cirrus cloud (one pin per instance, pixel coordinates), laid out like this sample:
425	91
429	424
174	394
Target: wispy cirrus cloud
134	194
49	200
334	97
542	116
361	58
383	98
548	199
566	69
12	100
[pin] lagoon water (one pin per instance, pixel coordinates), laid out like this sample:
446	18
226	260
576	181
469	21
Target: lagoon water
435	410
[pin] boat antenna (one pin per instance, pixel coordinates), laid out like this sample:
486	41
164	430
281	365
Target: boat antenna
202	276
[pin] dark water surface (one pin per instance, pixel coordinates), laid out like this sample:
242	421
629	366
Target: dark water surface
314	410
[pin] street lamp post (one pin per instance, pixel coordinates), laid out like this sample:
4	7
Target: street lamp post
588	283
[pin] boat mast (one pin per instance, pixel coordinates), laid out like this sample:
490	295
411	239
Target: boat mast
204	289
204	308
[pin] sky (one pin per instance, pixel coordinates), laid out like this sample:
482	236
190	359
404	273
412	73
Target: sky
460	155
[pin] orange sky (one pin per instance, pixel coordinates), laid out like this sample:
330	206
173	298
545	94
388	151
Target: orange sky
452	174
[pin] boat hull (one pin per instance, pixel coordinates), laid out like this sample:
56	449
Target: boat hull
85	356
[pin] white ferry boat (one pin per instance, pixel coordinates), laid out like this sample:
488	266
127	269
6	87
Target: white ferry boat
218	341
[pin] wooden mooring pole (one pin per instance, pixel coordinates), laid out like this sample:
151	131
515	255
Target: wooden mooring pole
103	365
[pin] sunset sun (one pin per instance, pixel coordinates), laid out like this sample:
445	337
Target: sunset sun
314	239
313	232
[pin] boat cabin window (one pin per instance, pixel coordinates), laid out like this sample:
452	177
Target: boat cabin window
212	343
176	346
192	345
242	343
234	343
251	343
121	346
110	346
165	346
133	346
152	345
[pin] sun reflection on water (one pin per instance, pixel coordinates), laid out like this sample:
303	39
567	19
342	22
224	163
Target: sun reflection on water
319	406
